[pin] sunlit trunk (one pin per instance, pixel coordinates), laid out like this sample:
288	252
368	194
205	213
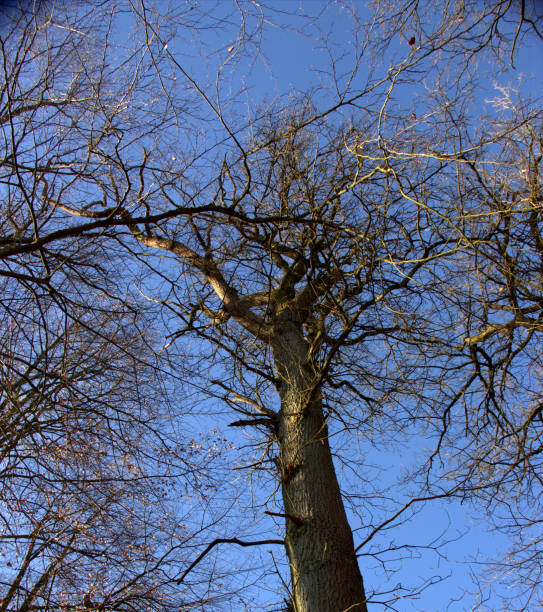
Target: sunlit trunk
324	569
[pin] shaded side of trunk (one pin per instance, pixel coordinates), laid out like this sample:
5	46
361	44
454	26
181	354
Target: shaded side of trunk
324	569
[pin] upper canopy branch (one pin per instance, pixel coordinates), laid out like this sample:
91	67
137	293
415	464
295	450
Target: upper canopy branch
495	328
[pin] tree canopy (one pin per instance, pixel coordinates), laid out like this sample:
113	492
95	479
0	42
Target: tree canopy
224	300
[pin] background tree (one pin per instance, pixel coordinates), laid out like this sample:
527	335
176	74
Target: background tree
94	454
86	473
500	304
488	440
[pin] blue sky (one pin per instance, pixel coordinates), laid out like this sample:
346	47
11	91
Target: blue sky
289	63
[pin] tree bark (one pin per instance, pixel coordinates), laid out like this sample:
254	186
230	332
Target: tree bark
319	543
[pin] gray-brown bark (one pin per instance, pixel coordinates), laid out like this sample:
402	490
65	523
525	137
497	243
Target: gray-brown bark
319	543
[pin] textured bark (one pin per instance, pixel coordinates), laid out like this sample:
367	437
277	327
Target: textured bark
319	543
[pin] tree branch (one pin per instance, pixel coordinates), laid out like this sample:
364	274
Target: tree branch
217	541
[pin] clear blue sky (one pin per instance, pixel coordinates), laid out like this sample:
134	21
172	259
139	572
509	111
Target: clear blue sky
290	62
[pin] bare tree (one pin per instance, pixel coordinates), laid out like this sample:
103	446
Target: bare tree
93	452
353	265
495	422
321	276
93	456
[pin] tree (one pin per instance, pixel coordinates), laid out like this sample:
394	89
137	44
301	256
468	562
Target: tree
79	489
93	453
323	253
294	300
500	302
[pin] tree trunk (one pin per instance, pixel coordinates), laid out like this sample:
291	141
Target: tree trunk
319	542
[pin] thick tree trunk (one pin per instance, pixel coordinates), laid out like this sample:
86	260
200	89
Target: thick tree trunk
324	569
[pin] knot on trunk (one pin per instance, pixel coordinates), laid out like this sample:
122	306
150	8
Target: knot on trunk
289	470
